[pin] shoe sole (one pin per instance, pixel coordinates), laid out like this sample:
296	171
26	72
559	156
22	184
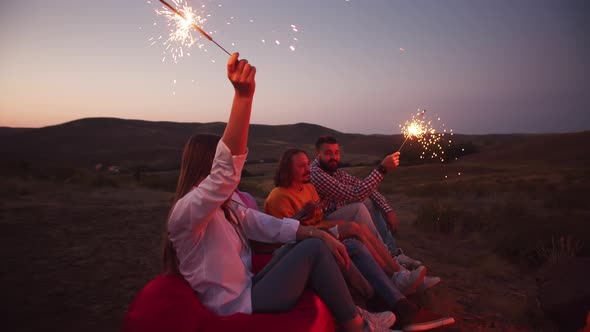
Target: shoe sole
429	325
412	289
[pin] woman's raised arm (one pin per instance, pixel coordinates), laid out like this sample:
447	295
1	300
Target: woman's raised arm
242	76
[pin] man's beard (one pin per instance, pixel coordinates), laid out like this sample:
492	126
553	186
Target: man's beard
327	167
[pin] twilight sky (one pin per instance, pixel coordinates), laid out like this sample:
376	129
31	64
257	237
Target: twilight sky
362	66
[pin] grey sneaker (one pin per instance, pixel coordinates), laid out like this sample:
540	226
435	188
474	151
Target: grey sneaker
407	281
428	282
378	321
406	260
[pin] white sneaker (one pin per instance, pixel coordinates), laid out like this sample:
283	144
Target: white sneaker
407	281
378	321
406	260
428	282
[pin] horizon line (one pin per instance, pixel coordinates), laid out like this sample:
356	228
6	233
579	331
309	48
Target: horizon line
290	124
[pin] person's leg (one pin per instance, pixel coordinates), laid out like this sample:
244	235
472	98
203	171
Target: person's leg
364	261
356	212
381	225
410	317
310	260
379	252
277	256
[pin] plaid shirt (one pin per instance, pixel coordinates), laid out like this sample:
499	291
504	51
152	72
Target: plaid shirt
341	188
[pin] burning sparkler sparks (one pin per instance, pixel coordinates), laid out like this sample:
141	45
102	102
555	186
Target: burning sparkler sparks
417	127
183	20
424	131
189	25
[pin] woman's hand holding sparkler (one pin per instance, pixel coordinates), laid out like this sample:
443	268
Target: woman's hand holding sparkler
241	74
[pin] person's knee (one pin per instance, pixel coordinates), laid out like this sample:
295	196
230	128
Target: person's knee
368	203
360	213
313	246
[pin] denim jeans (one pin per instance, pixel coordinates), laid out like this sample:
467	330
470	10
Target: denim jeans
381	225
367	213
309	262
381	283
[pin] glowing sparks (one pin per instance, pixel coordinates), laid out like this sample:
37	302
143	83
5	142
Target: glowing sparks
182	35
424	132
415	128
185	28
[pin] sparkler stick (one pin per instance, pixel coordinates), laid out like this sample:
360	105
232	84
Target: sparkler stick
401	146
413	129
206	35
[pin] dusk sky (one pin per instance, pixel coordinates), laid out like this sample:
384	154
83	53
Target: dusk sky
359	66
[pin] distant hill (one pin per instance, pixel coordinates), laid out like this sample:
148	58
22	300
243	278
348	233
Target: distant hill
129	143
158	145
6	131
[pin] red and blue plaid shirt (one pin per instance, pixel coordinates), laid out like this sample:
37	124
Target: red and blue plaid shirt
340	188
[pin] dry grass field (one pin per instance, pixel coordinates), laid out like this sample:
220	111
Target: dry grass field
486	228
77	249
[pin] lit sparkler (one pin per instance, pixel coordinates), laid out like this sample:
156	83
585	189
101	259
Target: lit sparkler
426	134
183	21
417	127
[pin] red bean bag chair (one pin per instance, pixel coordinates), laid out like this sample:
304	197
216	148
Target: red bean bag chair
168	303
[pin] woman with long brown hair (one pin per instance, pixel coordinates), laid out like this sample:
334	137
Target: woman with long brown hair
208	233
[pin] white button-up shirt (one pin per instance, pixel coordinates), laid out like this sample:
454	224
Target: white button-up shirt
213	258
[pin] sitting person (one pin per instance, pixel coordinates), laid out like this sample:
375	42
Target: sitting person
359	288
208	233
350	198
295	196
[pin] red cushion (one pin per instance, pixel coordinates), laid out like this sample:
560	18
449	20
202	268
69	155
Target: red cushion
168	303
259	262
263	248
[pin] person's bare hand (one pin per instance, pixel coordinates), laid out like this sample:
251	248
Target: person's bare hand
392	221
307	211
391	161
338	250
242	75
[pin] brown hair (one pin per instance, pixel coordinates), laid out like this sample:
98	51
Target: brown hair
283	176
325	139
197	159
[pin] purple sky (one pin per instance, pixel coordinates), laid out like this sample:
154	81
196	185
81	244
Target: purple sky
481	66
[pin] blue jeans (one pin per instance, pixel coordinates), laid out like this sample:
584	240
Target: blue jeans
369	214
381	283
381	225
279	285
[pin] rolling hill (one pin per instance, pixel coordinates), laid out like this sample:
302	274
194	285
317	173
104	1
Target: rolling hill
158	145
